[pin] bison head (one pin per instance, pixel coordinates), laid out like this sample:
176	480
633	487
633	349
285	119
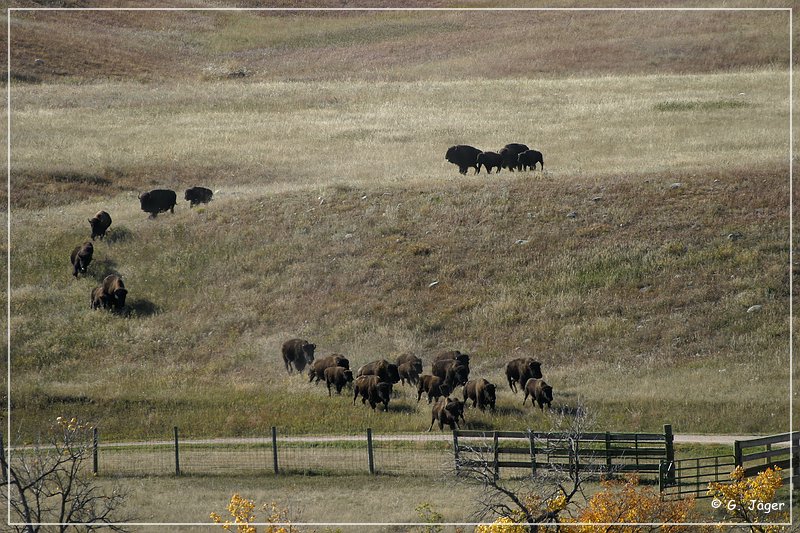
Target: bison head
535	369
119	297
308	352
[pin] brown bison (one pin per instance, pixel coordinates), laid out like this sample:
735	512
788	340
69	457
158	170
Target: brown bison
297	353
451	372
408	372
80	258
100	224
447	411
410	358
158	201
98	299
481	392
114	291
528	159
539	391
433	386
489	160
371	389
463	156
382	368
318	367
521	370
198	195
337	376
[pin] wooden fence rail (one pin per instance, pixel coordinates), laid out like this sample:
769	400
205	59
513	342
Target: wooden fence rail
530	450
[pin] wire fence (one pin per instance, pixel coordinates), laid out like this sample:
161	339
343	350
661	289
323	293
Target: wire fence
280	453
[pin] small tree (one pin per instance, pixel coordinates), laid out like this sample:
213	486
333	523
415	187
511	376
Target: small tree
51	483
242	516
515	503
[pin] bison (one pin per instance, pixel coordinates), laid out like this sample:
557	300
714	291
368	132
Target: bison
521	370
509	153
463	156
447	411
433	386
80	258
385	370
528	159
114	291
539	391
489	160
415	361
337	376
97	298
100	224
452	355
297	353
198	195
158	201
481	392
452	373
318	367
408	372
372	389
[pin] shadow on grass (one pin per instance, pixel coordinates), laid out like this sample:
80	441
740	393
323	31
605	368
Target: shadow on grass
140	308
118	234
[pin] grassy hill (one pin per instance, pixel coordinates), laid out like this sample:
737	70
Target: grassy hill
627	267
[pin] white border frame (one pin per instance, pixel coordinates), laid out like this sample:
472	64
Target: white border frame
789	10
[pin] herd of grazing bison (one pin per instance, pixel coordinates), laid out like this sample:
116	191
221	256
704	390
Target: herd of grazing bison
111	293
373	382
513	156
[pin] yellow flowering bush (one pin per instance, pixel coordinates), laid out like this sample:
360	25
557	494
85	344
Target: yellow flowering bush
241	511
751	500
502	525
626	502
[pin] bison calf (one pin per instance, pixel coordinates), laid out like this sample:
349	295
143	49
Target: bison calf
80	258
198	195
489	160
98	299
408	372
447	411
337	376
114	291
539	391
297	353
100	224
528	159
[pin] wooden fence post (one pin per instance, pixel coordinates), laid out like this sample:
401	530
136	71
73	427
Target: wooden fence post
370	457
275	449
533	452
669	443
455	449
177	454
608	453
95	450
496	457
737	452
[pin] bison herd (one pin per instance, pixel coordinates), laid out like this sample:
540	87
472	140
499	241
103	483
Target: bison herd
111	293
513	156
373	382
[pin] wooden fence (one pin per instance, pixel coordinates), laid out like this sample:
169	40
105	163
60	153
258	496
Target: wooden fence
691	476
529	451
